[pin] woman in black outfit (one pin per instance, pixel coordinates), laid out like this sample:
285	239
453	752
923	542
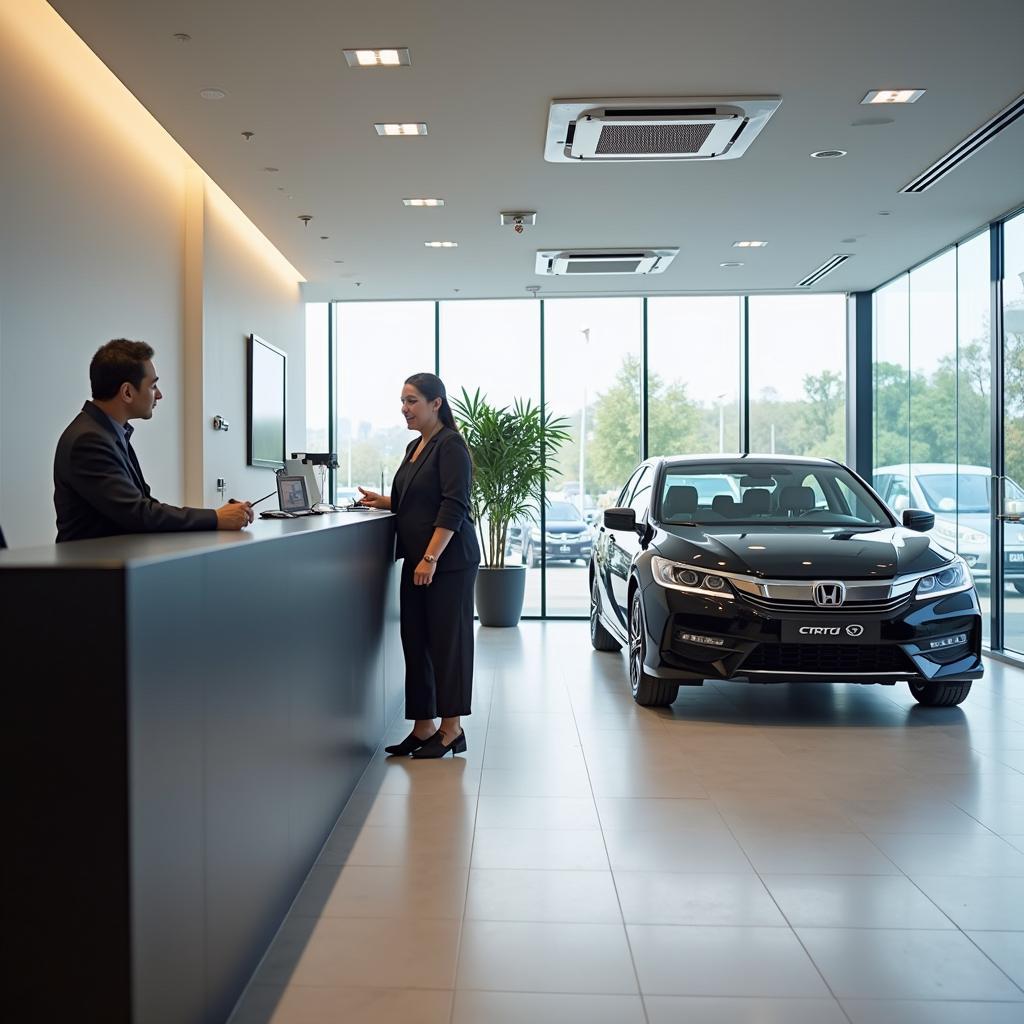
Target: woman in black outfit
437	539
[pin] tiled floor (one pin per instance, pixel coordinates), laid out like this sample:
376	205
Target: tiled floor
770	854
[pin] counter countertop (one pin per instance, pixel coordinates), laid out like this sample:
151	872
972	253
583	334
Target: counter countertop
139	549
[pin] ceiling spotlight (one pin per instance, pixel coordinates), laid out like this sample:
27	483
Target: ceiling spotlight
212	94
305	218
183	37
271	170
323	238
248	136
749	245
441	245
408	128
396	57
885	213
893	96
730	266
423	202
829	154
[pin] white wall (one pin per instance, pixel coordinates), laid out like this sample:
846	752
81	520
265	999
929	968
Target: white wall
95	200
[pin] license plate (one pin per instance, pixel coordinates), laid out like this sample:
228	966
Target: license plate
848	632
564	549
1015	556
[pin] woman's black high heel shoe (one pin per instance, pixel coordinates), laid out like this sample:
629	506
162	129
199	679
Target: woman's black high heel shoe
409	745
435	746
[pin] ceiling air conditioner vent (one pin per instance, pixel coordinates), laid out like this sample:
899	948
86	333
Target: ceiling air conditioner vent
655	129
965	149
826	268
604	261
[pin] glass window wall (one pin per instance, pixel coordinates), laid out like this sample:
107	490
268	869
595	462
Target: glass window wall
1013	427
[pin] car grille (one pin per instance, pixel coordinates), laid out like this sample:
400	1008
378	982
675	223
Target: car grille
809	607
829	659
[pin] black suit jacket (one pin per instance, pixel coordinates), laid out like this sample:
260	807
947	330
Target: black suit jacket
99	489
434	491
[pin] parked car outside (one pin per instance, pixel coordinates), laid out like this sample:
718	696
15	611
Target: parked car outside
568	538
807	577
960	497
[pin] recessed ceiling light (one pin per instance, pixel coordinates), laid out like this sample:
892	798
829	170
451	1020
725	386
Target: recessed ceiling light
395	57
212	94
828	154
441	245
848	241
893	96
409	128
729	266
749	245
271	170
423	202
885	213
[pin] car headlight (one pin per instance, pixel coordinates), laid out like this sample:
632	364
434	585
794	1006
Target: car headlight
952	534
690	580
950	580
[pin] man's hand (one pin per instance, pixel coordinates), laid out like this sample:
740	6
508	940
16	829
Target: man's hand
235	515
371	499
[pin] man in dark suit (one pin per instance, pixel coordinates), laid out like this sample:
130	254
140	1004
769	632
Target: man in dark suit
98	486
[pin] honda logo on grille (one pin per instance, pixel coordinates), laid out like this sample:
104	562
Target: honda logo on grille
829	595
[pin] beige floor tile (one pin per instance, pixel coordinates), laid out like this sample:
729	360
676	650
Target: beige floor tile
417	889
537	812
646	782
398	845
977	903
730	1010
907	1011
675	960
654	814
548	1008
889	964
854	901
538	957
676	851
652	897
266	1004
540	849
844	853
784	814
522	895
535	781
910	815
979	855
394	809
1005	950
343	952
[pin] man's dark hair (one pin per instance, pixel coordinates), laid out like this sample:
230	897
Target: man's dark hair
115	363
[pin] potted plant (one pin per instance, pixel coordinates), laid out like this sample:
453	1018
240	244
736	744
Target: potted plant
513	448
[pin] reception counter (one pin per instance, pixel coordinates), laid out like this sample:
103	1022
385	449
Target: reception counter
185	717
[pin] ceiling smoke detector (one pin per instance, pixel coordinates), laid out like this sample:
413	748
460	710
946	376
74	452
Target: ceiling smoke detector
631	130
603	261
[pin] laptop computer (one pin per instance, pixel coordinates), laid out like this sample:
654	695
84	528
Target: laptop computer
292	496
296	467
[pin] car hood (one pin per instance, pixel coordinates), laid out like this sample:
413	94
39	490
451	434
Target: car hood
786	552
564	526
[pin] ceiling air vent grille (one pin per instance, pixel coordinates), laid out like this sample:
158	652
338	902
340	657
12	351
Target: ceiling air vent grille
827	267
603	261
979	138
655	129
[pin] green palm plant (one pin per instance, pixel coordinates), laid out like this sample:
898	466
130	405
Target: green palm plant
513	449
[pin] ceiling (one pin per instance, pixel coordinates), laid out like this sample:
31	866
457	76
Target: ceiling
483	74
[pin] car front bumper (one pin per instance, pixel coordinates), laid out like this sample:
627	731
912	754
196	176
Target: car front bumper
692	637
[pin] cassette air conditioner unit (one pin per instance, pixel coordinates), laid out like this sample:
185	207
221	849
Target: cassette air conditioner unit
631	130
604	261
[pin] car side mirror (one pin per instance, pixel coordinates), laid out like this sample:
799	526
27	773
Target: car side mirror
620	519
917	519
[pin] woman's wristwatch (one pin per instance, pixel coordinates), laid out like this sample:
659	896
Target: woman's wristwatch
429	558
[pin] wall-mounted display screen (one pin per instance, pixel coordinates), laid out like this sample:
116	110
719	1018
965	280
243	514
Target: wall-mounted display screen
268	377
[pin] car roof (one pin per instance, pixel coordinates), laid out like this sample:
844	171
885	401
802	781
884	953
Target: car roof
933	467
752	459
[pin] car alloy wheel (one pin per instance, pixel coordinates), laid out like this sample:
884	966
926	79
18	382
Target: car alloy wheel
636	643
600	638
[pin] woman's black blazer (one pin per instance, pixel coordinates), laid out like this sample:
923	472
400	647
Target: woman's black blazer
434	491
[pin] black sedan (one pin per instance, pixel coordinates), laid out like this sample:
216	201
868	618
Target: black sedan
567	536
792	570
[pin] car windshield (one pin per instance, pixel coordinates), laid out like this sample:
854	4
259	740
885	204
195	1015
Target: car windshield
767	494
562	512
963	492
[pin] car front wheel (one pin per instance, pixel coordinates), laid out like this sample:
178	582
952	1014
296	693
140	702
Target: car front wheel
648	690
941	695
